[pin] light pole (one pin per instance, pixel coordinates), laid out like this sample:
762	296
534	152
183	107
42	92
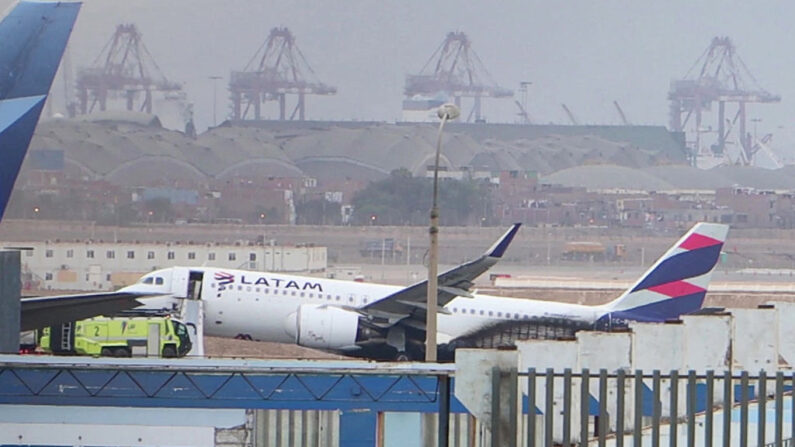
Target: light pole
446	112
215	96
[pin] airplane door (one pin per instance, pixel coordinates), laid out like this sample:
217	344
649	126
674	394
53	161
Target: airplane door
179	282
195	281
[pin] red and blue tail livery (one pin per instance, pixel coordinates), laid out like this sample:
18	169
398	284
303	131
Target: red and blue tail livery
677	283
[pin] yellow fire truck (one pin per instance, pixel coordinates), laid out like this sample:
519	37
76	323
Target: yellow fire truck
118	337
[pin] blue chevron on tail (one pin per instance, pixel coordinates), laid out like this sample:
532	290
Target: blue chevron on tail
33	36
677	283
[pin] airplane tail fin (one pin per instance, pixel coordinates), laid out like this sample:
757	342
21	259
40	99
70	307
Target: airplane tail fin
677	283
33	36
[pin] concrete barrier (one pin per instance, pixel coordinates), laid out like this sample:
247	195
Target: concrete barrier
613	352
486	384
707	342
786	332
557	355
660	346
755	339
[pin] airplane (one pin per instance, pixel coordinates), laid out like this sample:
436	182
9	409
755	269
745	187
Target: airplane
33	37
385	322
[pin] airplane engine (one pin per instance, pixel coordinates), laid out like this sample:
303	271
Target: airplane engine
323	327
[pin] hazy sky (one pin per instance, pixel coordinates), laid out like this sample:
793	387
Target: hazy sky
582	53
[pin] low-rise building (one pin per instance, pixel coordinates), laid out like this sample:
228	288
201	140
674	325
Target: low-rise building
91	265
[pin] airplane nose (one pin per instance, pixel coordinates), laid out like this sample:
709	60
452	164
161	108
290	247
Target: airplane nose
291	325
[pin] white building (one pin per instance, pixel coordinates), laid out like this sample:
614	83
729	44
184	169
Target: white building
107	265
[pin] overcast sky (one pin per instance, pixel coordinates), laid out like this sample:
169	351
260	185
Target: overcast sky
582	53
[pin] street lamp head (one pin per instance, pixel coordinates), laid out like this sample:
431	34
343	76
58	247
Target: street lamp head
451	111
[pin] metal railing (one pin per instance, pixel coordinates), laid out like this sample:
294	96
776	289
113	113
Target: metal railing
623	408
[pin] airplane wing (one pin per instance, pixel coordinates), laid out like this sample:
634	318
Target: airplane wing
408	305
39	312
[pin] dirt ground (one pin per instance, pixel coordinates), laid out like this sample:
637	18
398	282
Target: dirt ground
232	348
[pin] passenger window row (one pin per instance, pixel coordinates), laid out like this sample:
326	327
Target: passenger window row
491	313
267	291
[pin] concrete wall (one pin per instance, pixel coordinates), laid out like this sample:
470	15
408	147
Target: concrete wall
661	346
603	350
657	346
474	373
755	339
707	342
613	352
786	332
748	339
558	355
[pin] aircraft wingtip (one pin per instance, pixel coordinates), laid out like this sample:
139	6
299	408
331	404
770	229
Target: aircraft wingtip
502	244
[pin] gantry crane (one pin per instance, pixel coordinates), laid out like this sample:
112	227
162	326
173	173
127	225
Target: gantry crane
277	69
721	76
124	68
456	70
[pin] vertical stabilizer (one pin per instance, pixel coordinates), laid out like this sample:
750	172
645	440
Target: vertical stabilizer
677	283
33	36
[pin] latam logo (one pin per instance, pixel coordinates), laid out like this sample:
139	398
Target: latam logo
224	278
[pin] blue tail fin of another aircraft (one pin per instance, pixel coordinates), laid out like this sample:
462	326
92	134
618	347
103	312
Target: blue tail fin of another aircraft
33	36
677	283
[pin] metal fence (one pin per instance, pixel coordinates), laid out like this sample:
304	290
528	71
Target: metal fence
624	408
329	403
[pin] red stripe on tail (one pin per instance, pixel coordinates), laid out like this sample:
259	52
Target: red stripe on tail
676	289
695	241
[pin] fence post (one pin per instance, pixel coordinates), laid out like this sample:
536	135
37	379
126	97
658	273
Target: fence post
531	407
761	400
549	409
656	409
603	417
691	408
637	435
710	405
444	411
674	410
620	413
585	394
567	407
779	409
743	409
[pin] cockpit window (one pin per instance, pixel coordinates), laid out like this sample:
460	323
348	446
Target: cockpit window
159	281
148	280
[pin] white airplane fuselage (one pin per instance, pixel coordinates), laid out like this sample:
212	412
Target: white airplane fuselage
262	305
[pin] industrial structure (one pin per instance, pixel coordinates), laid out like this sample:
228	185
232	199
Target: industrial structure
280	69
124	70
453	71
721	76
